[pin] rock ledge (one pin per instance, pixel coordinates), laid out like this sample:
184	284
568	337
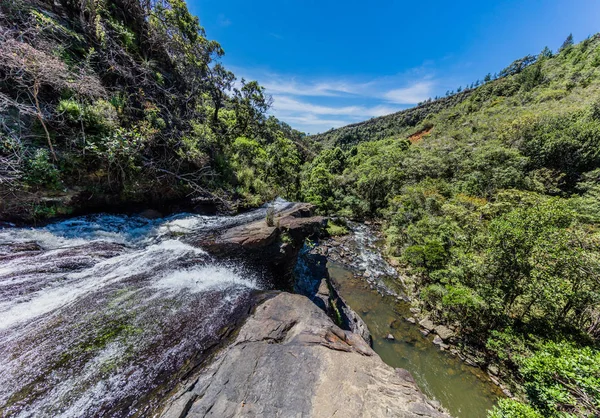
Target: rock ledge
290	360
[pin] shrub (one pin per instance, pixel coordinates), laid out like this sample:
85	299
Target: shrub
101	116
41	172
70	109
335	229
270	217
509	408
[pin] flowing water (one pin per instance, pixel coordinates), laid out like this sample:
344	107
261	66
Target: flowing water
369	286
100	314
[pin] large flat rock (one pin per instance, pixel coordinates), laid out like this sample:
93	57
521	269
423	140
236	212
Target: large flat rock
274	248
290	360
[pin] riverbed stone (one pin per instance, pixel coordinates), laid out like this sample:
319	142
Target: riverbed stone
444	332
427	324
290	360
493	369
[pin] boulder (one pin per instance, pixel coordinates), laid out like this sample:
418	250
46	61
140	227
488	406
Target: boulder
444	332
427	324
290	360
274	247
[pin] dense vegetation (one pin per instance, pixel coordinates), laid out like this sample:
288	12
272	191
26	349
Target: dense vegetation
493	209
126	101
490	196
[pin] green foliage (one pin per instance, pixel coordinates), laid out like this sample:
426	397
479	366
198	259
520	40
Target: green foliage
495	215
135	103
508	408
336	228
71	110
270	216
563	380
41	172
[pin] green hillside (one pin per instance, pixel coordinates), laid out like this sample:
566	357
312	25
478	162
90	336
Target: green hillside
489	198
492	209
113	102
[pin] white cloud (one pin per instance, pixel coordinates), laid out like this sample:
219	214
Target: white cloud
413	94
275	84
320	104
288	104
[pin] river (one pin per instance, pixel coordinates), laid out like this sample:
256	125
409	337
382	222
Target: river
102	315
372	288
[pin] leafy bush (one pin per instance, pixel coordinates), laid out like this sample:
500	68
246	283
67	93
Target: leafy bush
563	380
508	408
335	229
71	110
41	172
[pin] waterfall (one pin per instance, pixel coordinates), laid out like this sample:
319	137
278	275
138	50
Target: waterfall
101	314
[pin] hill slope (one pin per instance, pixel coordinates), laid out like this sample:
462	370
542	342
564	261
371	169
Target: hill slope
490	202
117	102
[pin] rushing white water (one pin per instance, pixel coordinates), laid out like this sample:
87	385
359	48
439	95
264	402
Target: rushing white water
98	312
368	260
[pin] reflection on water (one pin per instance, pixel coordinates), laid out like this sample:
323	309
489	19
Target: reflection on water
463	390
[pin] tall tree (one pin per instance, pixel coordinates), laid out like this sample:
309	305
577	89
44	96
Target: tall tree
567	43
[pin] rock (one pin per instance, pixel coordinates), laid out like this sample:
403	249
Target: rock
151	214
427	324
507	392
425	332
411	320
390	337
395	324
493	369
471	362
262	245
415	310
444	332
290	360
439	342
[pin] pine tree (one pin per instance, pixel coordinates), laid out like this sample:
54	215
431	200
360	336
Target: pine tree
546	53
567	43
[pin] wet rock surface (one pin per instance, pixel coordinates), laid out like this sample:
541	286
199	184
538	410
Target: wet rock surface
274	247
290	360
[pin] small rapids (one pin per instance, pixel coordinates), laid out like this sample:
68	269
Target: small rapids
100	314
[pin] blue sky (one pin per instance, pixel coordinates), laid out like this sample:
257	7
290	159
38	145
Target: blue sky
330	63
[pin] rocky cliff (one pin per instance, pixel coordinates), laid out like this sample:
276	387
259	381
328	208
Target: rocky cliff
272	247
290	360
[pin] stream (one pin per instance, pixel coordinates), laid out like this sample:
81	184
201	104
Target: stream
101	314
371	287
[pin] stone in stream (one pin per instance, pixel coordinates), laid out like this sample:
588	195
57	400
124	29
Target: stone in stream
290	360
427	324
439	342
444	332
390	337
411	320
395	324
